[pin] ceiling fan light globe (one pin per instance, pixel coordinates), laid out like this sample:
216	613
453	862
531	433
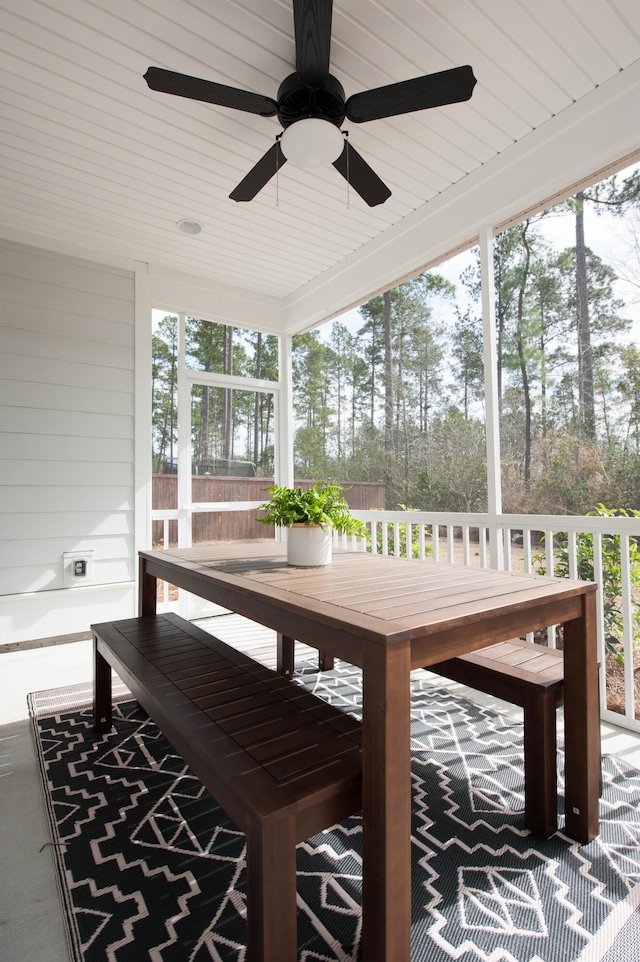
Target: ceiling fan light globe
312	142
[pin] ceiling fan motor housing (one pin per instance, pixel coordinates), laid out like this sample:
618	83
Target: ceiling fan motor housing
297	101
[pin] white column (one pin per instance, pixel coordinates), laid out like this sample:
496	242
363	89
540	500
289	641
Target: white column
184	441
492	419
142	415
284	422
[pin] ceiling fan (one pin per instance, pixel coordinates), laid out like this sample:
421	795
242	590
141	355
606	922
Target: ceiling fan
311	106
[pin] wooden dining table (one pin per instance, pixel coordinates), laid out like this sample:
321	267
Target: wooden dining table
389	616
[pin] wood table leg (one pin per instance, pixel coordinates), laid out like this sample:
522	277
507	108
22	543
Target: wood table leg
102	696
271	891
386	803
147	590
582	724
540	762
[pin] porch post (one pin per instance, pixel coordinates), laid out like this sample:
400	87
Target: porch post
492	418
284	437
184	442
143	410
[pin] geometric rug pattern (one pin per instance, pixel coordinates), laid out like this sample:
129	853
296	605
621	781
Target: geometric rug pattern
149	867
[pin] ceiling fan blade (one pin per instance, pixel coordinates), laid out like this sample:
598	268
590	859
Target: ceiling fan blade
260	175
432	90
312	27
180	84
361	177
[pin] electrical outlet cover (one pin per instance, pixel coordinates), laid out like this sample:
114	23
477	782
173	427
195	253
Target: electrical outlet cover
77	567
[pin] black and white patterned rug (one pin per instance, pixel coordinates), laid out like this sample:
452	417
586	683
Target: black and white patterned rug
150	867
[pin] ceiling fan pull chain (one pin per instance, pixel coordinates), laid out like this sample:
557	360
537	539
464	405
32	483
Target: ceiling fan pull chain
278	172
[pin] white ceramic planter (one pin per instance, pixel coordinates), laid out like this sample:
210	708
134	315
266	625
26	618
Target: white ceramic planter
308	546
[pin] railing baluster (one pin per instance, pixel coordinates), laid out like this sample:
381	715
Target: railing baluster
627	621
507	549
421	541
482	532
550	567
451	549
396	539
572	547
600	632
409	540
373	540
526	563
526	549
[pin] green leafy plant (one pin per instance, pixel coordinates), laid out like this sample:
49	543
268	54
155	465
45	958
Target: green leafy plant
611	575
323	505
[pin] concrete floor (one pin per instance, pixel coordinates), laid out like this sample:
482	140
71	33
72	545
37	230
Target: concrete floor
30	916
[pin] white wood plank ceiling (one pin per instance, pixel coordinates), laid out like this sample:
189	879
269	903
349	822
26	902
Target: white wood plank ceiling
91	157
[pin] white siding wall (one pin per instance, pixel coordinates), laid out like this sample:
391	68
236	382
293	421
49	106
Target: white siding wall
66	440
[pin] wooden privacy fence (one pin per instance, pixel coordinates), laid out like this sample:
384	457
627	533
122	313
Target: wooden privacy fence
240	525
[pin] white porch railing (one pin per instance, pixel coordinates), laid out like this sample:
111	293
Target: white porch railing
530	543
514	542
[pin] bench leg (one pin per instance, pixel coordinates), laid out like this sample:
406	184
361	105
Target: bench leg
285	655
272	932
102	700
540	764
325	661
286	660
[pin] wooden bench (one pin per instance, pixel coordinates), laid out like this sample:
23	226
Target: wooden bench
280	761
532	677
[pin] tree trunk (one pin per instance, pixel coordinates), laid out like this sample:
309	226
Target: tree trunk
543	386
388	375
586	405
267	423
204	435
227	428
500	325
526	388
257	405
173	420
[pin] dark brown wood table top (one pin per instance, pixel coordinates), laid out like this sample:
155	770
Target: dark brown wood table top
388	616
380	598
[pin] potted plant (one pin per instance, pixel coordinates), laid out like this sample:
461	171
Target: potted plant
310	516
